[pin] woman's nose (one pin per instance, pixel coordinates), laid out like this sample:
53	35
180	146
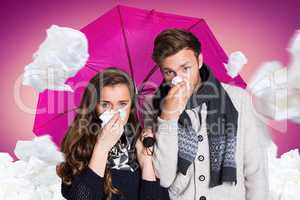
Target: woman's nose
115	107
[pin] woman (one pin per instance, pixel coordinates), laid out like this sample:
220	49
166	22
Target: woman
104	156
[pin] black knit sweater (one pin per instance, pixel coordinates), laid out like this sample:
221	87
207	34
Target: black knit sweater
89	186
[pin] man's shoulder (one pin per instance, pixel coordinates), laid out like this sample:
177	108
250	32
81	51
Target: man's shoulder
237	94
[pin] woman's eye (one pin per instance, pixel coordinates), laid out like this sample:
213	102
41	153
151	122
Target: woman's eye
123	105
104	105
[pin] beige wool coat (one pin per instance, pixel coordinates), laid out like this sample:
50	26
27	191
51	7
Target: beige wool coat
251	155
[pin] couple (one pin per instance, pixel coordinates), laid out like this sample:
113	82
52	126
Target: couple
208	143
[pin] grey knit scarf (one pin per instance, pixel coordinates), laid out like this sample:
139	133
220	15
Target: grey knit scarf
221	122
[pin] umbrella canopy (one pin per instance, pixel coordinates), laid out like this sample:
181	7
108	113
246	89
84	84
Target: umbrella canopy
123	37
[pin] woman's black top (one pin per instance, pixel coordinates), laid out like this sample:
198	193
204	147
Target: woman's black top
90	186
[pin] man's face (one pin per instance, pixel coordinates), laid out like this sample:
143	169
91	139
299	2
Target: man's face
184	64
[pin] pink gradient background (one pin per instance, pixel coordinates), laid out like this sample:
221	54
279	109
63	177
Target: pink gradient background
260	29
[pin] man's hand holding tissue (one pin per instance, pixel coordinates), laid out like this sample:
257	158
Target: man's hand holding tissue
175	101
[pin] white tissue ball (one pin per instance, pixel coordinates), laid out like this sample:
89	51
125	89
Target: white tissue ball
176	80
236	62
63	53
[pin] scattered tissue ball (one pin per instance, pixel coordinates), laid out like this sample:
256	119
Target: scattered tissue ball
33	176
275	87
284	175
236	62
63	53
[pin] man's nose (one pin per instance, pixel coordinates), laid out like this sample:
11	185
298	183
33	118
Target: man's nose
181	74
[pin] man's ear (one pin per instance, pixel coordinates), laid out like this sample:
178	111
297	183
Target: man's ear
200	60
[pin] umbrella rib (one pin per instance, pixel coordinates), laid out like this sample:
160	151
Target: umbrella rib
195	24
55	117
126	44
155	67
92	68
148	76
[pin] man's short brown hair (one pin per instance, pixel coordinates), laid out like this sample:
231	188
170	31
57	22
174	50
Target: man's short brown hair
171	41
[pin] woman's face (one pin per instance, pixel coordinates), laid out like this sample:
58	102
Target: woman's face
114	98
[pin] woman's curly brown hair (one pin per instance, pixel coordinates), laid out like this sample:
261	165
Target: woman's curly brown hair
80	138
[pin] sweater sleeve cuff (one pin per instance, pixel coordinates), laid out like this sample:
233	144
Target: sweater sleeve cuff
92	179
167	126
149	189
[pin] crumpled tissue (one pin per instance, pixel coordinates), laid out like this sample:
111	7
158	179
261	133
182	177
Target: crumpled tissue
236	62
108	114
33	176
61	55
284	174
176	80
276	88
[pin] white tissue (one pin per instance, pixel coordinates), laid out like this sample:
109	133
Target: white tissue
39	147
284	174
276	88
108	114
63	53
33	177
176	80
236	62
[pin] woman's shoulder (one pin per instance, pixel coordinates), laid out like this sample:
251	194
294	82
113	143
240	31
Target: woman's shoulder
85	185
86	176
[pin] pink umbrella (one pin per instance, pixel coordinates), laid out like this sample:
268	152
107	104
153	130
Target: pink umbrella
123	37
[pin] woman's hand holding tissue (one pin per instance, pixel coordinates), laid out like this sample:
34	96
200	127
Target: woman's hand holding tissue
107	138
110	133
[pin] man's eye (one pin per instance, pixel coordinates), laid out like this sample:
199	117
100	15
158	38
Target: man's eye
168	73
186	69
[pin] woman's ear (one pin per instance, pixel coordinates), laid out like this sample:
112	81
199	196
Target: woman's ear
200	60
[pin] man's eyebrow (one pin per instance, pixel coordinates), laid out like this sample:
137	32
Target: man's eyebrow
182	65
166	68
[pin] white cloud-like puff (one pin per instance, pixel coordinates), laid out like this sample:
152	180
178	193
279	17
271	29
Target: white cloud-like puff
284	175
236	62
63	53
33	176
276	87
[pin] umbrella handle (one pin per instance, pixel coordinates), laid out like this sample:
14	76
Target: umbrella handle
148	142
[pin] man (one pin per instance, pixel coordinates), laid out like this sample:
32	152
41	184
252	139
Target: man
208	142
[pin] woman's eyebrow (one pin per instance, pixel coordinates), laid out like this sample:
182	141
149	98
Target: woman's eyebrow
104	101
124	101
